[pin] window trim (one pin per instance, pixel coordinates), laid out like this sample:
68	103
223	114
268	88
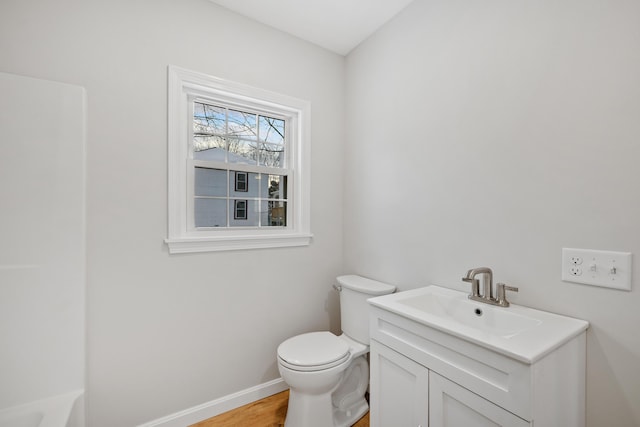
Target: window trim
185	84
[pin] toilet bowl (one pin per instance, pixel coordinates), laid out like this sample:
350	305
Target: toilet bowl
328	375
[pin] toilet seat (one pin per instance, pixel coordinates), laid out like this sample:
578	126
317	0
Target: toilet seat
314	351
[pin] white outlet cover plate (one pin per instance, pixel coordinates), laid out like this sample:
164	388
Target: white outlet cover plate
597	268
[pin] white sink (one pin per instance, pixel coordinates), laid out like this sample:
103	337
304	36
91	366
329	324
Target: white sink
491	319
520	332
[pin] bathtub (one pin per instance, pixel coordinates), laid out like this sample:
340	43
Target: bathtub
64	410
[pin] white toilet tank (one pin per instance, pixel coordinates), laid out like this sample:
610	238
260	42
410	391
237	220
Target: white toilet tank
354	309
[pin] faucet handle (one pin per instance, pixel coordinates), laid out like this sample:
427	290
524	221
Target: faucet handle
501	298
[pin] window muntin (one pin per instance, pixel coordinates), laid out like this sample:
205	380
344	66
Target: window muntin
268	139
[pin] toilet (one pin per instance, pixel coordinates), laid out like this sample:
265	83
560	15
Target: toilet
328	375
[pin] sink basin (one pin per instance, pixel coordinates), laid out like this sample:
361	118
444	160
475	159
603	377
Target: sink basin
517	331
491	320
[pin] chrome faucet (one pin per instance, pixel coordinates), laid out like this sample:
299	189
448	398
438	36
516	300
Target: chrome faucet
487	282
487	287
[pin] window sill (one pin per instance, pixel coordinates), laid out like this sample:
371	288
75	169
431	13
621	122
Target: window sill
232	243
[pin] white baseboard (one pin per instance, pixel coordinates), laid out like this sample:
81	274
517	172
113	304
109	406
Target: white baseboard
219	406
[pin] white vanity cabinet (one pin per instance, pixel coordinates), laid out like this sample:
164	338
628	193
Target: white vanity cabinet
423	375
451	405
399	389
405	393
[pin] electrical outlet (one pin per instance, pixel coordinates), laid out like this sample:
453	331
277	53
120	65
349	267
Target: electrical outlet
601	268
575	260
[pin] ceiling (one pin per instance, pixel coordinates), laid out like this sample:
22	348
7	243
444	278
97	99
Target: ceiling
337	25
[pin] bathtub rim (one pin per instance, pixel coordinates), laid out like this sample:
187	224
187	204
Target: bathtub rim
61	410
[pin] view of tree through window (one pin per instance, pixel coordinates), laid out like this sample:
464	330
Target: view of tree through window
247	137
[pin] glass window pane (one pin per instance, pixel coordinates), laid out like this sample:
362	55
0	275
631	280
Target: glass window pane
210	182
210	212
241	151
208	119
209	148
274	214
242	124
276	188
252	216
271	130
271	155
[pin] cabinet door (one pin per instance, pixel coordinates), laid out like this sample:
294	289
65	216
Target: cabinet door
451	405
399	393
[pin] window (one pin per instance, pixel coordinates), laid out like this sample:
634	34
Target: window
239	209
241	181
238	166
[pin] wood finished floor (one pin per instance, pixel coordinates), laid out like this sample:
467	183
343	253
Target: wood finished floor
268	412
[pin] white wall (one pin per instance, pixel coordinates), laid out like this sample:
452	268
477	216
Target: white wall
42	229
169	332
493	134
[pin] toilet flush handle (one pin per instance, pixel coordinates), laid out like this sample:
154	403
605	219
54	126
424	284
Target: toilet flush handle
337	288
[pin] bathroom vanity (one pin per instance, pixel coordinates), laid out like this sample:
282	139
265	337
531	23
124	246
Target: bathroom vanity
439	359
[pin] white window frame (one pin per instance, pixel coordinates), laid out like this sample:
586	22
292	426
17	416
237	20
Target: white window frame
183	86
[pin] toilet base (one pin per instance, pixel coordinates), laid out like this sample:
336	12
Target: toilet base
340	407
311	411
308	410
349	417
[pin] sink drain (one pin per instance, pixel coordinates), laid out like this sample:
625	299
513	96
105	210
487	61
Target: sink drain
478	311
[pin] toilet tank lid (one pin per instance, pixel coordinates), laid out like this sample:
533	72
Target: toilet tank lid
364	285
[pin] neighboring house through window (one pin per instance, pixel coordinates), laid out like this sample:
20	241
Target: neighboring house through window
238	166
